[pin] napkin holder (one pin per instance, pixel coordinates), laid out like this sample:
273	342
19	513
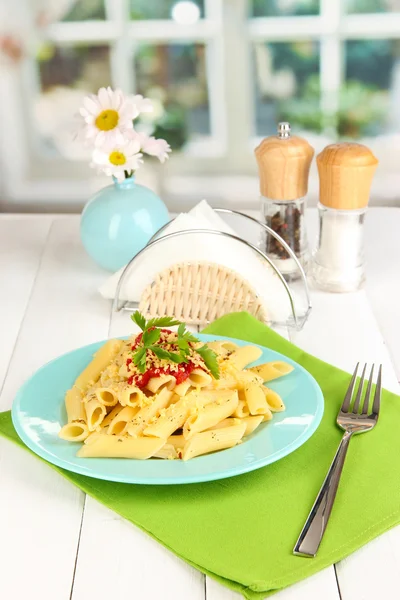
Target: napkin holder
157	300
199	292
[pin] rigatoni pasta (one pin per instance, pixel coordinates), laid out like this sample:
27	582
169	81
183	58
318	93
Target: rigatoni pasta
164	395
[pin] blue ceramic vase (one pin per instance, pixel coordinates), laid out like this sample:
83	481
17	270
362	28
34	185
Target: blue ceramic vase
119	221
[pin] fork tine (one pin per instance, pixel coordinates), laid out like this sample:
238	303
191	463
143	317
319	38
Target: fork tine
378	390
359	390
368	393
349	393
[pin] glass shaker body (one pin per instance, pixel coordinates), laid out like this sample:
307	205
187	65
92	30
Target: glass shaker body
338	261
287	219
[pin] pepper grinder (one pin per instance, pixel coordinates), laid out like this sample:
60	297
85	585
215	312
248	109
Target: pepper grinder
284	164
345	176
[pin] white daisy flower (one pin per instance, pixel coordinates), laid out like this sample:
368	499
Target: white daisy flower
143	105
117	159
158	148
107	115
152	146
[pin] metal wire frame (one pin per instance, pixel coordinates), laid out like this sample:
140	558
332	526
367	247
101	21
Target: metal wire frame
155	239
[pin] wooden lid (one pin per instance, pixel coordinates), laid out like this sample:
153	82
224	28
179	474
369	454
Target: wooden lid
283	165
345	175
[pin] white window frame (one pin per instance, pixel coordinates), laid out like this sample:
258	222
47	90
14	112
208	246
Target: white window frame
228	34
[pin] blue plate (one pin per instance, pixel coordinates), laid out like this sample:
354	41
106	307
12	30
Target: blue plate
38	414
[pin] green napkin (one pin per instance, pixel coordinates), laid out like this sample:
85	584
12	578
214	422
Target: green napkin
241	531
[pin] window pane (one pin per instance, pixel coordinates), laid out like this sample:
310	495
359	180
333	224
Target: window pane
85	10
286	85
283	8
66	75
174	75
183	11
370	100
372	6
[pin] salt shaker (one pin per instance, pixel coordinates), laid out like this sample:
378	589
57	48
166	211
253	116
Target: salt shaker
345	175
283	164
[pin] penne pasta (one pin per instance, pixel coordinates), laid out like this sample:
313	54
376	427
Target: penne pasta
111	415
75	431
168	452
210	441
110	446
142	418
182	388
177	441
252	423
165	395
156	384
95	413
173	419
210	415
245	377
132	396
199	378
242	410
223	347
74	405
272	370
244	355
256	400
119	424
274	400
106	396
100	361
229	422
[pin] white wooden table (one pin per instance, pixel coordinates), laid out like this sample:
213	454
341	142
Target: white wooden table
57	544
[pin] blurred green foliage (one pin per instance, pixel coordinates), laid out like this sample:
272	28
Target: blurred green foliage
83	10
277	8
156	9
361	109
363	98
172	126
367	6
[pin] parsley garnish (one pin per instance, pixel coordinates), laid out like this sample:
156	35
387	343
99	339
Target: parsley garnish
210	360
151	335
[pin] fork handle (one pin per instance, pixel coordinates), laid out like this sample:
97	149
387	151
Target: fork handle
317	521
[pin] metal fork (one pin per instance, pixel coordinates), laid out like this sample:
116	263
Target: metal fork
351	421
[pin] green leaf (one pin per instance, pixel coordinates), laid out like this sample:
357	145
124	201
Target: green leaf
162	322
186	335
165	355
151	337
210	360
139	359
139	319
181	330
183	346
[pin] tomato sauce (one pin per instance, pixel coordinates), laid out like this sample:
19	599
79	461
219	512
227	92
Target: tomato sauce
142	379
182	373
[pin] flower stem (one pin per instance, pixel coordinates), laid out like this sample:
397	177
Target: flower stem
128	174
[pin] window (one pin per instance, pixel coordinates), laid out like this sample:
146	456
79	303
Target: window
222	73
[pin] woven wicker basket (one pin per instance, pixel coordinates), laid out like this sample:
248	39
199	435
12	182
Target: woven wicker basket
197	293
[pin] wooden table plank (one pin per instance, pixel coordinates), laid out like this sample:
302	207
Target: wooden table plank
137	559
320	586
21	247
382	252
74	315
40	512
343	330
134	563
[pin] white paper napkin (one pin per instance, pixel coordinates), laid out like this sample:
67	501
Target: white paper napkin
202	247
